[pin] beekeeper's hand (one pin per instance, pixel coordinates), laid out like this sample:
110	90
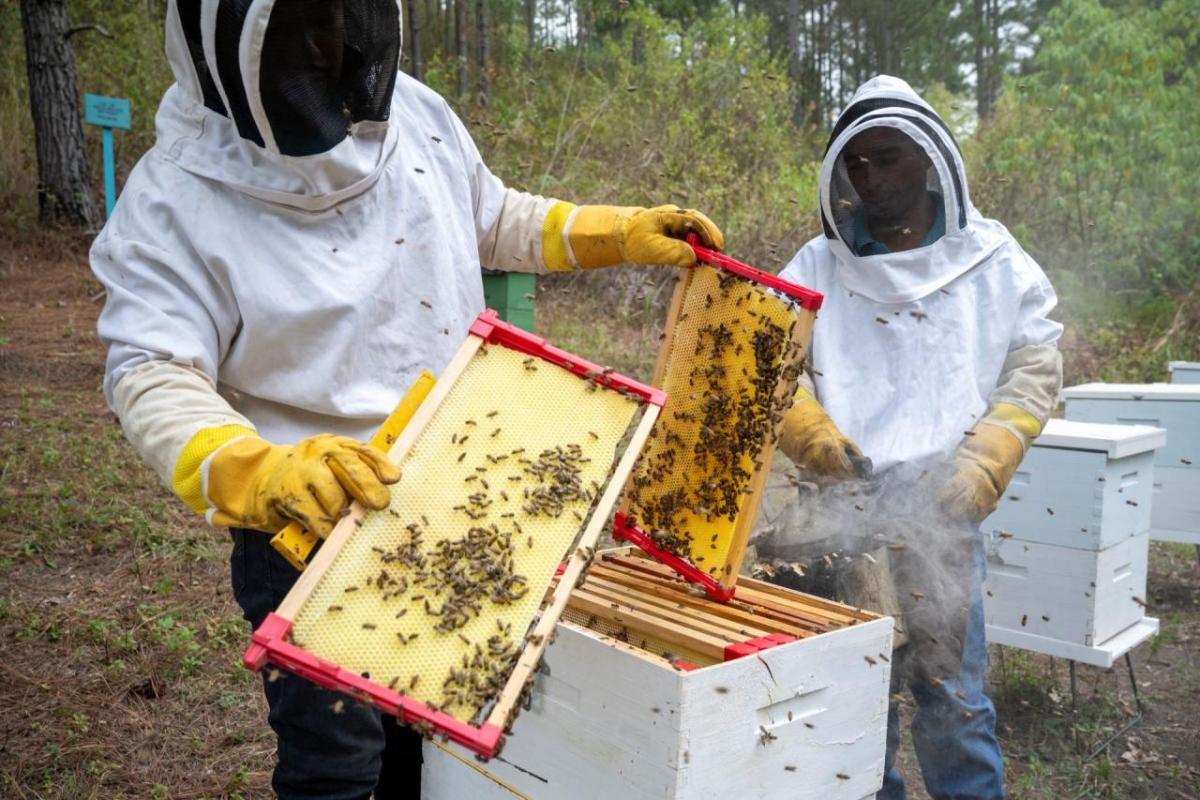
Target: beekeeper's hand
255	484
813	442
983	466
601	236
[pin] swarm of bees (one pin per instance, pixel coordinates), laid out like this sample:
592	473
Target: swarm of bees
455	579
724	407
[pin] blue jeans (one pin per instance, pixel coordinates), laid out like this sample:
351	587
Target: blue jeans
333	754
954	737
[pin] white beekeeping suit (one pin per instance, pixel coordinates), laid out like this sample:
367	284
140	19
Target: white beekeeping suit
304	238
913	348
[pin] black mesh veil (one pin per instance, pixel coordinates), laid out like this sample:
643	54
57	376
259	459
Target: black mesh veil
189	21
323	65
850	209
231	17
327	64
303	55
372	58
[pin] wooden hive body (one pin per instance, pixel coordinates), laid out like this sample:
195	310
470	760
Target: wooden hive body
610	719
1081	485
1080	596
1185	371
1175	513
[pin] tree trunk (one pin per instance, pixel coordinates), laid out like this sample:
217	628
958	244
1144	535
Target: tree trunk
483	47
64	182
431	21
448	28
414	37
530	28
795	72
985	58
460	45
583	22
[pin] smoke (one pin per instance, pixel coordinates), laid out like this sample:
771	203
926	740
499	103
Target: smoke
883	544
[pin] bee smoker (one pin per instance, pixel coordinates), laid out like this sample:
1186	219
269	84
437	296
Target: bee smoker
881	544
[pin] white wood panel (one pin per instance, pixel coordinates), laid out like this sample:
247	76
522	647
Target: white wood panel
1076	498
1185	371
1132	391
1117	441
1174	407
606	723
1077	596
1103	655
1175	514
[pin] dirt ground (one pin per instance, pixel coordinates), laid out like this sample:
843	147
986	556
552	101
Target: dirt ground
121	673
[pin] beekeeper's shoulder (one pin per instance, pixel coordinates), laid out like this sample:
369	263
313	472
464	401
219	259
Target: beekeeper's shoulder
812	266
414	103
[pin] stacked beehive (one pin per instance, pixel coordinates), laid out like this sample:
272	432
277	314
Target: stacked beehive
1067	548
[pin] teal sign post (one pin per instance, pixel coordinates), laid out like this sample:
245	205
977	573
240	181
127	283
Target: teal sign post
107	113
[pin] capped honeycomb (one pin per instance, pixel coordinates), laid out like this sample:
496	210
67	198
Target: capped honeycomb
433	596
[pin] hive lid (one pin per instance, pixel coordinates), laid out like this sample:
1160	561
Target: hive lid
1184	366
1133	391
1117	441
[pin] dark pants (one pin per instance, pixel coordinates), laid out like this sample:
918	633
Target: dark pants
954	728
323	753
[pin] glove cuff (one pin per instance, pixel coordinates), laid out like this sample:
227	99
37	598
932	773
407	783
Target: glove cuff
191	469
996	450
596	234
1015	420
556	250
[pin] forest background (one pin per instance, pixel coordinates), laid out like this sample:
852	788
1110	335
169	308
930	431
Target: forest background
1078	119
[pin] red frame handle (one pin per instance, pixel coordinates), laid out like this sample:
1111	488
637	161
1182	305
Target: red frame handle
806	298
489	327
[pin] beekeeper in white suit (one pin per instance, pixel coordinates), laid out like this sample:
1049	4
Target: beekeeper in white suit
303	239
934	347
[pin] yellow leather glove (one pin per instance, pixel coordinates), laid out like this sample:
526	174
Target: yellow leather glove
602	236
986	461
255	484
813	442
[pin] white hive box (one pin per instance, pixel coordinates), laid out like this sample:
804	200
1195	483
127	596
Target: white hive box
1185	371
1078	596
1175	512
1083	485
610	720
1086	605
